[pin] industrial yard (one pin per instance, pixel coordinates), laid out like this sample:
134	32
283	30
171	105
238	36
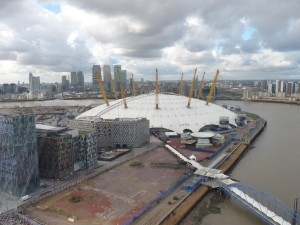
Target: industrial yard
114	196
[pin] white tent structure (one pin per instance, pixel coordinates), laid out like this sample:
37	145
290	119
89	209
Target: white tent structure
173	113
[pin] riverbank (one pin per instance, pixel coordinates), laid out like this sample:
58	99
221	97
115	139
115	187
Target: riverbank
176	215
275	101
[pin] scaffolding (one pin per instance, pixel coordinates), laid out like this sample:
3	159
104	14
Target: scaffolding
19	173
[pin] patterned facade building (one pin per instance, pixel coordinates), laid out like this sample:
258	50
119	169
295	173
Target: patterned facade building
87	153
19	170
56	157
117	133
63	151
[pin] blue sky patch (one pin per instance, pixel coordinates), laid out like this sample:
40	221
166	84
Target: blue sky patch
52	7
248	32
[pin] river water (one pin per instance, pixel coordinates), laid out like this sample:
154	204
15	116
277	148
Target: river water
273	165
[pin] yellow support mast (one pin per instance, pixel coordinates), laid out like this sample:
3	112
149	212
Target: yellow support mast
113	87
199	95
181	85
122	91
98	77
212	89
192	90
133	88
156	90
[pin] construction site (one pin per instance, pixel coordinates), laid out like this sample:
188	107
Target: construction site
89	191
114	196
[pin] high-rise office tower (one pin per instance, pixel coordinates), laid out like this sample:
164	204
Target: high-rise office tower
73	83
289	88
106	76
96	69
34	84
123	77
282	86
64	83
297	88
80	81
117	72
30	82
277	87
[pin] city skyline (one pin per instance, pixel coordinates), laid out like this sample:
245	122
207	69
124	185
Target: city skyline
52	38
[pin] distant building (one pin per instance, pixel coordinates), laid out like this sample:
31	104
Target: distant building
64	83
19	173
80	81
10	88
271	88
73	83
117	74
96	69
277	87
34	84
297	88
123	77
289	88
282	86
106	75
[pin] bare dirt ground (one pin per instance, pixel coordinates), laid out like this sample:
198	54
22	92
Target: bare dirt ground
111	197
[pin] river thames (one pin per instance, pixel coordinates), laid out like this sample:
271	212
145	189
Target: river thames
272	165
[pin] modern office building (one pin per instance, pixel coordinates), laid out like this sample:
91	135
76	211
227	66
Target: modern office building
34	84
290	88
282	87
123	77
106	77
73	83
64	83
80	81
277	86
117	74
19	173
96	69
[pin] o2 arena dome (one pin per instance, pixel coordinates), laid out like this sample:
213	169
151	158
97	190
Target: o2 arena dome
172	114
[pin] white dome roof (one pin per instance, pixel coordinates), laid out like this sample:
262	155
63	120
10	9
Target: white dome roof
172	114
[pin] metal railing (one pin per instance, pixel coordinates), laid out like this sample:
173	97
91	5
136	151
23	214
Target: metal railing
266	204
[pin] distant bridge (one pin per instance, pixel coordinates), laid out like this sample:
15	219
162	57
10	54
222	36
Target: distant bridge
265	206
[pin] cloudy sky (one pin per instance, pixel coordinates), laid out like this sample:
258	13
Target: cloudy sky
249	39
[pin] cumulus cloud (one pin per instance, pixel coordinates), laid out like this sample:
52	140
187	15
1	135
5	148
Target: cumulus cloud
246	40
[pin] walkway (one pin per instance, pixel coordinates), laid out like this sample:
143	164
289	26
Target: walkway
268	208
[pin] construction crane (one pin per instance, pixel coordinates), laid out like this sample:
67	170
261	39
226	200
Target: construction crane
122	92
192	89
199	95
98	77
133	87
181	85
113	87
156	90
212	89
